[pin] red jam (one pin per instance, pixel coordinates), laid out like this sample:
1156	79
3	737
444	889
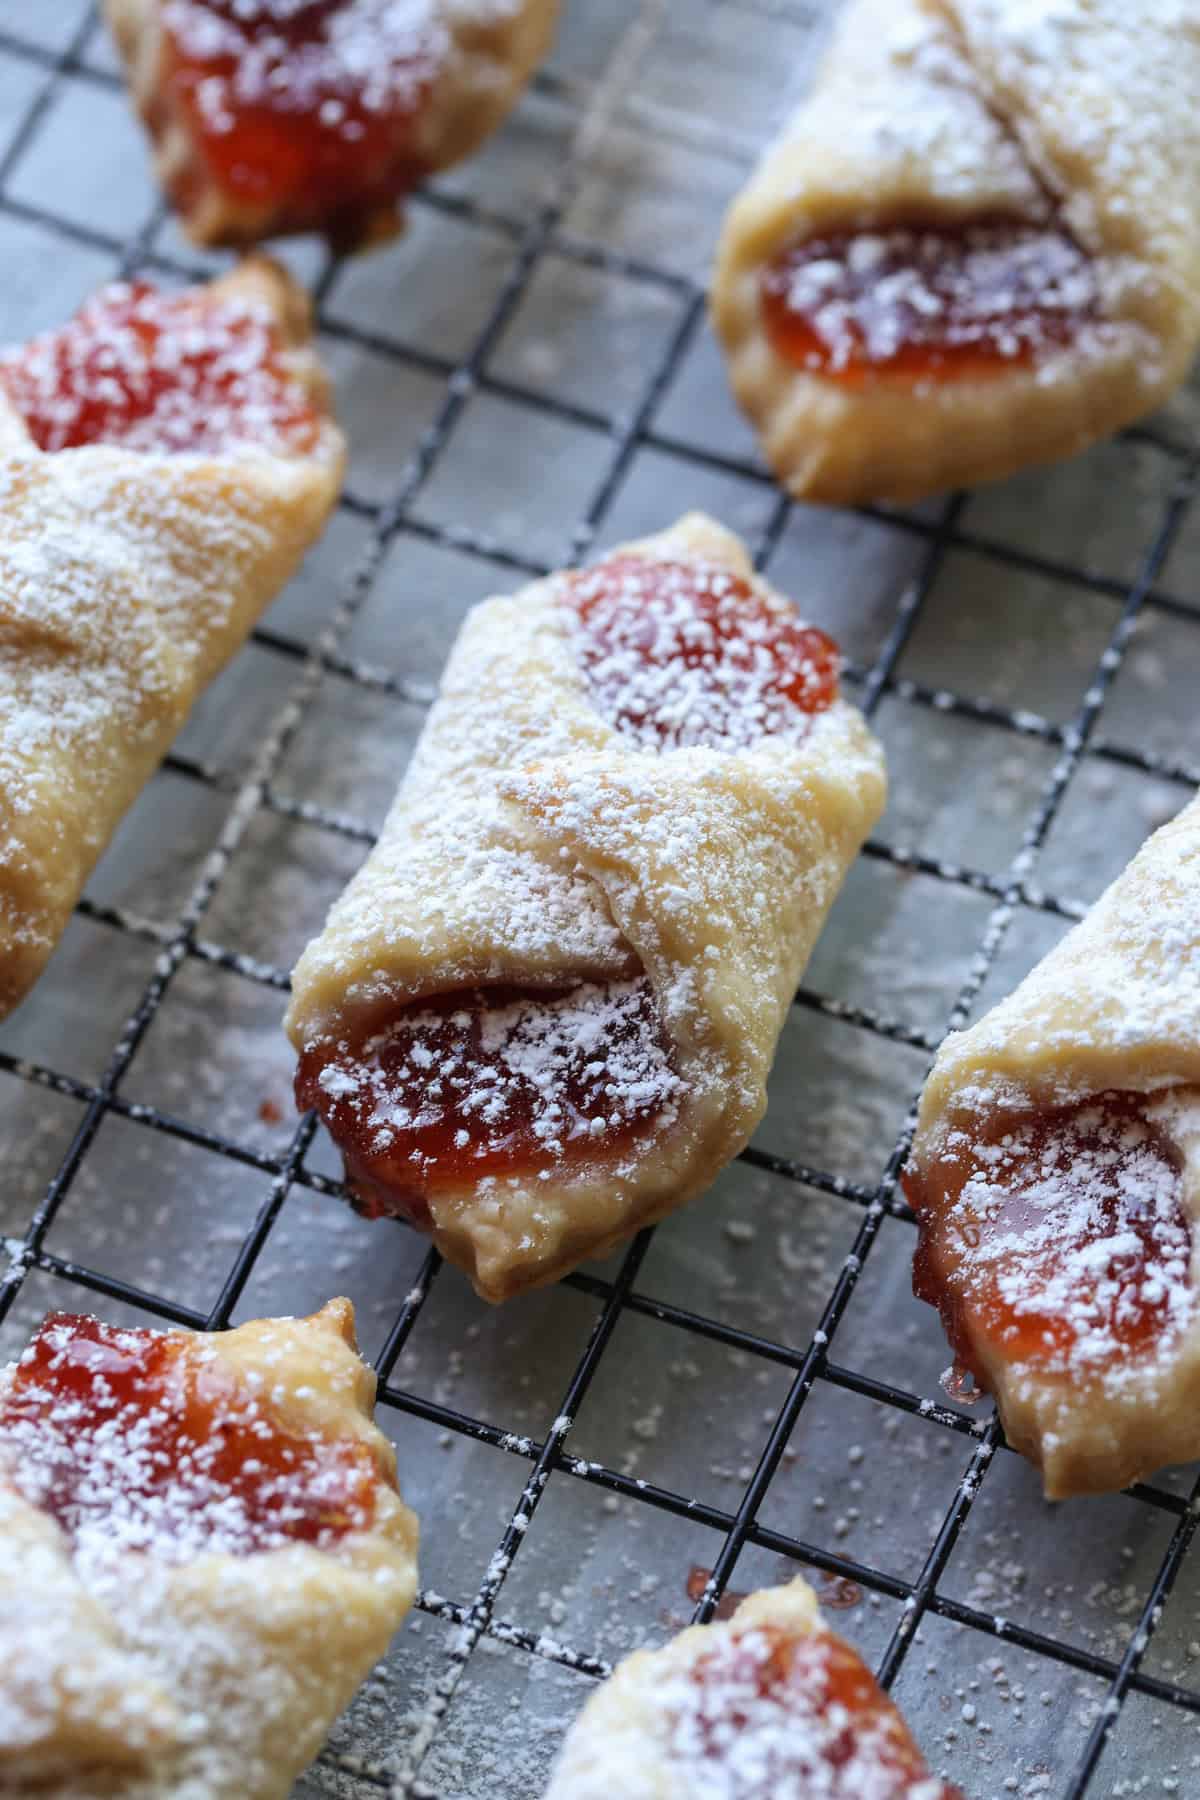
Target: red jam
305	109
798	1714
160	372
927	303
134	1440
686	653
491	1082
1056	1238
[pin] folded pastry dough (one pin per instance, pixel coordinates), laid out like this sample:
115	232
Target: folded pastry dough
605	934
975	246
769	1705
278	118
202	1553
132	566
1056	1177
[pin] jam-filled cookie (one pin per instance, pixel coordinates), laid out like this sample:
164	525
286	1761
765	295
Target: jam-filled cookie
1056	1178
975	246
165	461
769	1705
543	1013
202	1553
278	116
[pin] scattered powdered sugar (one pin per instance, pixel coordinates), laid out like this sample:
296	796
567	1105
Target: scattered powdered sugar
759	1714
64	1665
741	1739
1069	1236
1002	288
103	648
160	372
897	94
687	652
1109	117
139	1441
325	65
1060	117
1073	1225
534	1072
679	654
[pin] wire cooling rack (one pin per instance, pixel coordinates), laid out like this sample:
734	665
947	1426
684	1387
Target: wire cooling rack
749	1389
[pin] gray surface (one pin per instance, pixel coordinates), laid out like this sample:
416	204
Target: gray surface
599	1573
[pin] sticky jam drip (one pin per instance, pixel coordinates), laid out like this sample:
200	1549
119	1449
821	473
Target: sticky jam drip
687	653
138	1440
307	110
1055	1237
491	1082
927	303
160	372
783	1717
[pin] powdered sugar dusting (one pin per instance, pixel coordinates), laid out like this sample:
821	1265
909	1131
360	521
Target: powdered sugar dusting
211	1582
139	1441
688	653
325	65
999	291
488	1080
128	576
1092	1067
1106	115
769	1706
1060	122
161	372
897	94
673	654
284	116
319	111
1066	1241
739	1729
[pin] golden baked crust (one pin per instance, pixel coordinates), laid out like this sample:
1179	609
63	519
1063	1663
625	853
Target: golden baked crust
1115	1006
530	844
130	1675
492	48
646	1733
127	581
947	111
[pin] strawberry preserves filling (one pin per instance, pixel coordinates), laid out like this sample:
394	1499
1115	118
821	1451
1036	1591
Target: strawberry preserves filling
785	1717
305	108
160	372
142	1440
1056	1238
687	653
927	303
473	1087
492	1082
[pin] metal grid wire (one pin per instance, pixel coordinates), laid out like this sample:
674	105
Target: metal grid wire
810	1367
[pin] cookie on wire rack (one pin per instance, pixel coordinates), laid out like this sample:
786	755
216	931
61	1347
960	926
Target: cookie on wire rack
1055	1175
975	246
166	459
768	1705
544	1012
203	1552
